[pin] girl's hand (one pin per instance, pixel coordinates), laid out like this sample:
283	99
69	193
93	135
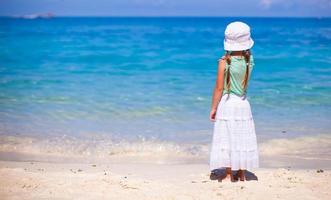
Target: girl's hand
212	115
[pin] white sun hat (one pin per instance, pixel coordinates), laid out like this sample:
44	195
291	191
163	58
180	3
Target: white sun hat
237	37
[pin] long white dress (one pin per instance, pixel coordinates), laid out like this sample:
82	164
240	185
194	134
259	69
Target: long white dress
234	141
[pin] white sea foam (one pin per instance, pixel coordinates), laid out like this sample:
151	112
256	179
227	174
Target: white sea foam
92	149
317	147
300	151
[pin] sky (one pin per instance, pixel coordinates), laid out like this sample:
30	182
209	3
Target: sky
274	8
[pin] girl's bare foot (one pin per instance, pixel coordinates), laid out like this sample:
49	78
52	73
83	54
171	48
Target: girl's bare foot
241	174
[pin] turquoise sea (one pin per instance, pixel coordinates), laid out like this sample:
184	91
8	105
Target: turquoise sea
108	82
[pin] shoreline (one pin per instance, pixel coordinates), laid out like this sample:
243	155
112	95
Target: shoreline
270	162
37	180
301	152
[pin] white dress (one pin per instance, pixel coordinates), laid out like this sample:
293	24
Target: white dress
234	141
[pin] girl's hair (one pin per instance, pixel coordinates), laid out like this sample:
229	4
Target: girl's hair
247	56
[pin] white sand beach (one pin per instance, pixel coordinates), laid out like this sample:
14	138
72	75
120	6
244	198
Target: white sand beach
42	180
33	169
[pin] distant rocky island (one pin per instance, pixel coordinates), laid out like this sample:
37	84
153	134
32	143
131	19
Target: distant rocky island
36	16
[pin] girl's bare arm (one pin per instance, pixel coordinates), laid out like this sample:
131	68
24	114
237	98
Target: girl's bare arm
218	90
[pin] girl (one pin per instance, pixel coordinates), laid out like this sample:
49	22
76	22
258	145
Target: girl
234	143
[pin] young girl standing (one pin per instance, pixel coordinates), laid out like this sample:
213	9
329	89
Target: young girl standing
234	144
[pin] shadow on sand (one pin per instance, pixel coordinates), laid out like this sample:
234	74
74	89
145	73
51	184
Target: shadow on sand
220	174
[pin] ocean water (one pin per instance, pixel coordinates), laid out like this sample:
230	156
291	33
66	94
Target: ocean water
119	85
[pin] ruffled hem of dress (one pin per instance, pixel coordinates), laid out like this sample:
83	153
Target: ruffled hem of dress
236	160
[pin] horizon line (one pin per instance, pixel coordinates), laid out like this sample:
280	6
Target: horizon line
160	16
